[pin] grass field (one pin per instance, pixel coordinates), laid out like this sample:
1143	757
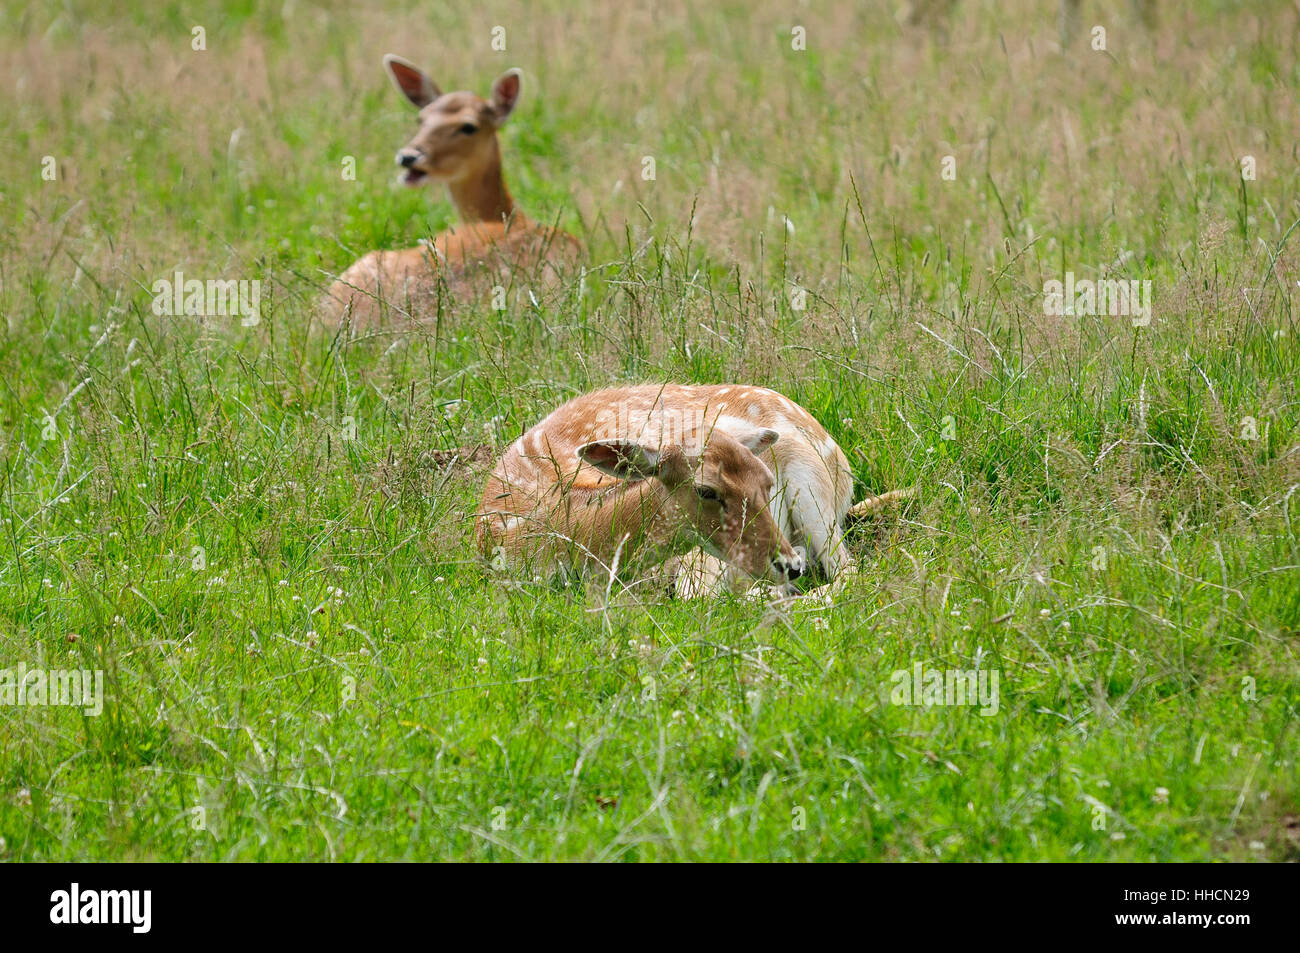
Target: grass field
244	528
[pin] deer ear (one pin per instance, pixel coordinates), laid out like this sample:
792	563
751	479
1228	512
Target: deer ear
752	438
411	81
620	458
505	93
758	439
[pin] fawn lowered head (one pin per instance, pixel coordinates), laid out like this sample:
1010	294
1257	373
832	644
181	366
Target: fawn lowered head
456	138
721	495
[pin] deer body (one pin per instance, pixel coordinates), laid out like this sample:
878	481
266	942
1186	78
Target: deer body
456	144
649	472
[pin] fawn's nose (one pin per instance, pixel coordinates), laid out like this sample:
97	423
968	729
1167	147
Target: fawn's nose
407	158
790	567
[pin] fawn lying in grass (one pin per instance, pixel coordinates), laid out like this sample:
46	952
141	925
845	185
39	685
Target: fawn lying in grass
632	477
456	144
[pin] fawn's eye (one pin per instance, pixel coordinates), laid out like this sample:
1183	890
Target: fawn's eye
468	129
708	493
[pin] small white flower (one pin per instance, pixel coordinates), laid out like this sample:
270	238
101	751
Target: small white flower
1161	796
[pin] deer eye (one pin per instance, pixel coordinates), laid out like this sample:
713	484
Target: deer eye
708	493
468	129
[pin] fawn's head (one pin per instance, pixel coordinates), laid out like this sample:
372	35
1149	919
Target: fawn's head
457	131
723	494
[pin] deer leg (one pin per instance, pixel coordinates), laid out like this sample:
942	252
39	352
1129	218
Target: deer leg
696	574
813	524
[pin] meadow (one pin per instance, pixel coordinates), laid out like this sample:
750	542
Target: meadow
260	536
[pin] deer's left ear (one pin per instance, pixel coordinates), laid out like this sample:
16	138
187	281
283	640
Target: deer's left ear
505	93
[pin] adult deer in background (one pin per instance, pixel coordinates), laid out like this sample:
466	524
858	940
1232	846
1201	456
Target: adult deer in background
456	144
635	476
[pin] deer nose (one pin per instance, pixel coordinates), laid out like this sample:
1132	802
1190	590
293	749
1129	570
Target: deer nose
407	158
791	567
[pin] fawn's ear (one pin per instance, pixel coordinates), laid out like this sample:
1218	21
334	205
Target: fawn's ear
758	440
411	81
505	93
620	458
752	438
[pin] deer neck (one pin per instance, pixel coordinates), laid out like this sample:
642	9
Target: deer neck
644	515
481	195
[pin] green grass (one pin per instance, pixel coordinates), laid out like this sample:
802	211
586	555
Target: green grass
1091	524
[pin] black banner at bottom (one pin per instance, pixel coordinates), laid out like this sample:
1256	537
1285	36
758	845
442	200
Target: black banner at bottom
143	902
